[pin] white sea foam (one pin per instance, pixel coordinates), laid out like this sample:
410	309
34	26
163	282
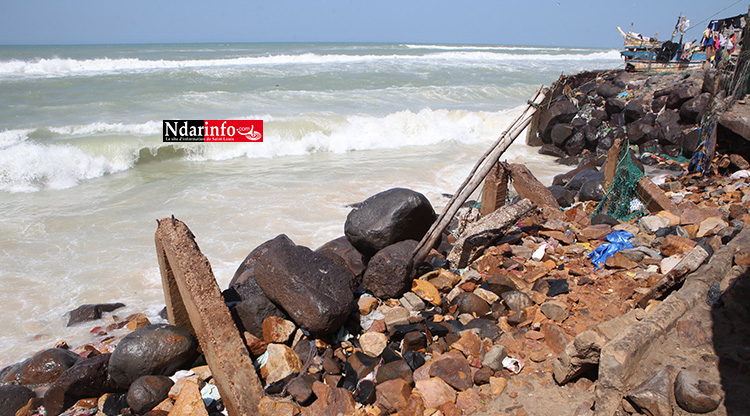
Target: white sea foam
26	165
60	67
491	48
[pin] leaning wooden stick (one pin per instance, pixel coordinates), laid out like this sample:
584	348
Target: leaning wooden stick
475	178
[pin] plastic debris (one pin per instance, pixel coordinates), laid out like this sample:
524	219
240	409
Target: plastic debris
181	374
741	174
366	321
513	365
209	393
539	252
618	240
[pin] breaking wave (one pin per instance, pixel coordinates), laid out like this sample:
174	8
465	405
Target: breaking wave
61	67
76	153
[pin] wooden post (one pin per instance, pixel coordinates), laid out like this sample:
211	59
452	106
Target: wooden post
475	178
194	302
495	190
529	187
613	158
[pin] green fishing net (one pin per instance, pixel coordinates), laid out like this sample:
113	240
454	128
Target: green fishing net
621	200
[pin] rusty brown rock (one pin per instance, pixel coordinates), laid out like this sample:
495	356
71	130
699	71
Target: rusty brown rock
453	370
393	395
674	244
278	330
435	392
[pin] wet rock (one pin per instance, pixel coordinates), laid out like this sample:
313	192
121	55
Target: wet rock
551	150
563	197
494	357
435	392
42	368
470	303
159	349
453	370
398	369
373	343
561	111
694	394
148	391
386	218
253	311
89	312
343	253
313	290
13	397
392	395
653	396
560	133
555	310
243	285
582	177
301	389
517	300
387	274
90	377
591	191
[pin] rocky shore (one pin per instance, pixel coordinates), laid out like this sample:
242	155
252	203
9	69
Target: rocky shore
552	301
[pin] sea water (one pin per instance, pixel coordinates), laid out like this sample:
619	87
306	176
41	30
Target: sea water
84	172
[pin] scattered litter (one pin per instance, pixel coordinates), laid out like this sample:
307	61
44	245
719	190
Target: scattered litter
741	174
262	360
209	393
618	240
513	365
366	321
557	287
539	253
181	374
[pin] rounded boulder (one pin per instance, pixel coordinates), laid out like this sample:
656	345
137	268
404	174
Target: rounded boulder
159	349
148	391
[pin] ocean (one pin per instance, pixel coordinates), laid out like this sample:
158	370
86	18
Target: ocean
84	172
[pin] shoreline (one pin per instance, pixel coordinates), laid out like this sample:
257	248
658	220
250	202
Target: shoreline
531	324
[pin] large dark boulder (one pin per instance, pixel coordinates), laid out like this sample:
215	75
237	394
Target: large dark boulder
575	144
560	133
591	191
343	253
690	142
693	109
582	177
243	282
658	103
159	349
148	391
633	111
13	397
640	131
315	292
561	111
608	89
614	106
386	218
90	312
599	114
387	274
669	131
42	368
250	313
551	150
564	197
88	378
682	94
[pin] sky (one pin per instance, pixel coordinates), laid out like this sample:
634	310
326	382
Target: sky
494	22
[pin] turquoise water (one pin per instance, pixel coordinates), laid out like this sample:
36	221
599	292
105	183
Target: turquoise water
84	172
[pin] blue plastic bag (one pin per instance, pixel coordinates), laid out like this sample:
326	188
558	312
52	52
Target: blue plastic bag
618	240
